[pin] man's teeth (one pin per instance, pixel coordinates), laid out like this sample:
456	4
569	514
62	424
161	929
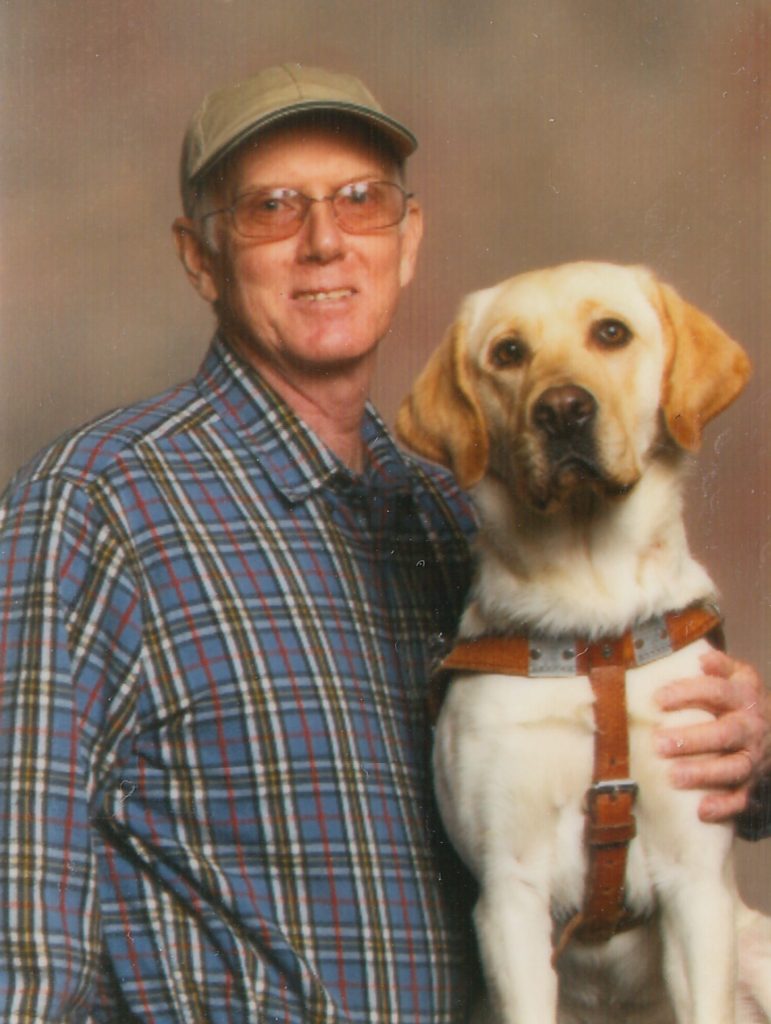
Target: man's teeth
339	293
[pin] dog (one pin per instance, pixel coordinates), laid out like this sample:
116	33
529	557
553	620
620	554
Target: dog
568	401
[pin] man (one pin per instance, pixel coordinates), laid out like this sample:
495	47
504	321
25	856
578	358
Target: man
218	612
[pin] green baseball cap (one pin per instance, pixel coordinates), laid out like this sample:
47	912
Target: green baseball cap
230	115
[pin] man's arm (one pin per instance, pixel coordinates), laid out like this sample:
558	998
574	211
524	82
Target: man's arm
734	749
60	583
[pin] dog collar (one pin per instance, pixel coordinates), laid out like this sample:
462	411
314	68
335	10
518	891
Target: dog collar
534	655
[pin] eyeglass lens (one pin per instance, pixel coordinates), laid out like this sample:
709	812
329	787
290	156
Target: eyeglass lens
359	207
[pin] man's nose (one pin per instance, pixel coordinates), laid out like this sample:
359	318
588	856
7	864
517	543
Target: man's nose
322	238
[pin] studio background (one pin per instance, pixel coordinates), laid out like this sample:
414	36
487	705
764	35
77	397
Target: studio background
550	130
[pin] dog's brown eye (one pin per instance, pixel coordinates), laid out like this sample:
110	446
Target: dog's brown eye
509	352
611	333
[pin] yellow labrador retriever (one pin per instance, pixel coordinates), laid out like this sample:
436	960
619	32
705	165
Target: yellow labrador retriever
568	400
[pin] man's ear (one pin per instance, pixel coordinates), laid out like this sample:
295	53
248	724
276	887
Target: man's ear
196	257
412	233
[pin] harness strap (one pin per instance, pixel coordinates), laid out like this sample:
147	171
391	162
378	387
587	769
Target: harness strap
610	822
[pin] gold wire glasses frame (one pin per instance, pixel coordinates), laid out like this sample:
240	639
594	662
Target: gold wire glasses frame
270	214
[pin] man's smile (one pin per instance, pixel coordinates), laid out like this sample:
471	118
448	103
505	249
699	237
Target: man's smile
320	295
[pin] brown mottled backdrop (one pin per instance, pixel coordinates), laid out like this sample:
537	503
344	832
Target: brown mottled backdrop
630	130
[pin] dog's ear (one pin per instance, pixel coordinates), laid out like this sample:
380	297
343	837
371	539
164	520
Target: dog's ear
705	369
441	418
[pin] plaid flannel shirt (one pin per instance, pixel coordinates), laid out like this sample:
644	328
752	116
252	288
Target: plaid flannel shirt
214	643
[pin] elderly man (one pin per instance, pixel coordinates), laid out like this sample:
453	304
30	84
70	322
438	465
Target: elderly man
218	612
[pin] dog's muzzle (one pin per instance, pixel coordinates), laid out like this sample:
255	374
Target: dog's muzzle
564	413
564	420
564	417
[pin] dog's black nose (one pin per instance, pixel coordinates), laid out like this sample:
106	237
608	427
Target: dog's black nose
564	410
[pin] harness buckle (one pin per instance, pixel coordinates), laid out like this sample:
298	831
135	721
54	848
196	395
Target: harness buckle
612	787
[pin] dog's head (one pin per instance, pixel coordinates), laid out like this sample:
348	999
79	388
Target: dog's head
570	378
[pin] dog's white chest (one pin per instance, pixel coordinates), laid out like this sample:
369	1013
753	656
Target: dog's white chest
513	761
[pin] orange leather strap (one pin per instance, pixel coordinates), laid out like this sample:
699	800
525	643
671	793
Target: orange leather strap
610	823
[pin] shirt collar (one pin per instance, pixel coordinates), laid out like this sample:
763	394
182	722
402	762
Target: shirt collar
297	462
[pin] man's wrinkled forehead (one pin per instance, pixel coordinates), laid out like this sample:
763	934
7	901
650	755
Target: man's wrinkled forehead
224	180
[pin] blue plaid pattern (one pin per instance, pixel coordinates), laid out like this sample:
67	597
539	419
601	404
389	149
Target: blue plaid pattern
214	644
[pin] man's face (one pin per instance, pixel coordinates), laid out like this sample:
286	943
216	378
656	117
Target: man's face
321	299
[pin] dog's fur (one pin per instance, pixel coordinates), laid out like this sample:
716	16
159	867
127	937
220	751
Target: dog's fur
567	400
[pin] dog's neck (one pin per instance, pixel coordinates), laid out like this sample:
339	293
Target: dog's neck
593	569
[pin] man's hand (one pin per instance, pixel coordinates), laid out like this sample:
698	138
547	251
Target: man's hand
734	749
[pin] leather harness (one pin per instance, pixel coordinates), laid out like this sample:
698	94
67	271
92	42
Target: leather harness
610	821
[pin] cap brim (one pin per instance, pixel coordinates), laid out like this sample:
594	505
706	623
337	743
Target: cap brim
401	138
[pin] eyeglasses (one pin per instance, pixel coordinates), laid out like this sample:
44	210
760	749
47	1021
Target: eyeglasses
270	214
